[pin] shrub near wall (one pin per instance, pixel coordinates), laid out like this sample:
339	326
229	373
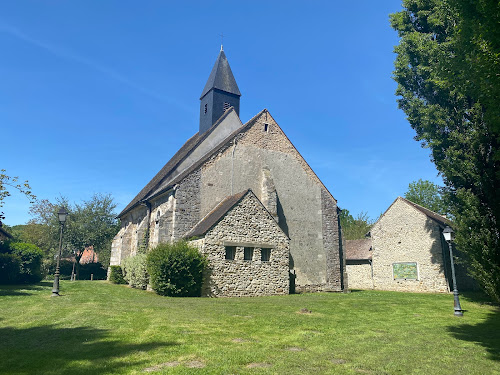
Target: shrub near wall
176	270
135	271
116	275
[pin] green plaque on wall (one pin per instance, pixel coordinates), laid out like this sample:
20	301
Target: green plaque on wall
405	271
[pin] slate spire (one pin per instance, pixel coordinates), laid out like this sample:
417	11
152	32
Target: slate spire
220	93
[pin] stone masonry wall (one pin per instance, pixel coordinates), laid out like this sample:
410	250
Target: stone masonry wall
187	204
331	241
360	275
404	234
246	224
264	150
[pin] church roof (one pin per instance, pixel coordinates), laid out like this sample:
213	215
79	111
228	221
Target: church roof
221	77
168	168
167	179
216	214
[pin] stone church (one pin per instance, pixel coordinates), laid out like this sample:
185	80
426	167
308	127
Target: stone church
243	195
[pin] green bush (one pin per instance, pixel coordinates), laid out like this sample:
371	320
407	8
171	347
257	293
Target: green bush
96	269
176	269
65	268
10	268
31	261
116	275
135	271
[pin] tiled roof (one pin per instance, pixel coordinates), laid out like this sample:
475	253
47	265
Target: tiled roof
168	168
216	214
189	146
358	249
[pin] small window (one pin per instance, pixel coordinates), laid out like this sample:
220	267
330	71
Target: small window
265	255
206	108
158	214
248	254
226	106
266	127
405	271
230	252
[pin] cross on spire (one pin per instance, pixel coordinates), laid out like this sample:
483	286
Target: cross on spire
221	41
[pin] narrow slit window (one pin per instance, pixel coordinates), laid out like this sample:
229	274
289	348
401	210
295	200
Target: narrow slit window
248	253
265	255
266	127
206	108
230	252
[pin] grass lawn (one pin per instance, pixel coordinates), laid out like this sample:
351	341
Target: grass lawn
98	328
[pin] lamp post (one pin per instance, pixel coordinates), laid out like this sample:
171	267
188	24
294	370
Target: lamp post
63	214
449	237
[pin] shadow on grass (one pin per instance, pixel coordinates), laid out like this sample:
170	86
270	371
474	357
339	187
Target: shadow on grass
485	334
23	289
80	350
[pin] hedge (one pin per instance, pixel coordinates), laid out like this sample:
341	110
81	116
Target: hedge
176	269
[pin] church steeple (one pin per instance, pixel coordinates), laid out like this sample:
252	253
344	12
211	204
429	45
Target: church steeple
220	93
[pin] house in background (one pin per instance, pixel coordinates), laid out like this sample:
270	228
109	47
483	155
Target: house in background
89	256
408	253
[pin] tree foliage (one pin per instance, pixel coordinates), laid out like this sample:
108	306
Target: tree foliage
92	223
354	228
428	195
8	183
20	262
447	70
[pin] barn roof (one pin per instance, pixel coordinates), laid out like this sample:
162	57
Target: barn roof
358	249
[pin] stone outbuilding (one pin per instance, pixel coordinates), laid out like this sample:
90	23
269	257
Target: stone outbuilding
248	252
406	251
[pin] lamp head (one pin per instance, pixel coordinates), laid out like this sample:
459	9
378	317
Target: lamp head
448	234
63	214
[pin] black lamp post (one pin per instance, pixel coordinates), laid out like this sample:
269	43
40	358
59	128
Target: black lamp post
449	237
63	214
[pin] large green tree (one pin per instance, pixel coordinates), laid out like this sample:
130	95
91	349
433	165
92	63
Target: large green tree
448	75
427	194
354	228
90	223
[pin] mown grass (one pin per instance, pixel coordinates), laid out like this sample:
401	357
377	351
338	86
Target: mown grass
99	328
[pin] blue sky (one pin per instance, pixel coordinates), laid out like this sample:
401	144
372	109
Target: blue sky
96	96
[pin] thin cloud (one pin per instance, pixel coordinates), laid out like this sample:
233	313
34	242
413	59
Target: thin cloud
67	55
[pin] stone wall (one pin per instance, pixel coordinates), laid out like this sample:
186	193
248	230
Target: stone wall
334	262
187	204
247	224
404	234
262	151
360	275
